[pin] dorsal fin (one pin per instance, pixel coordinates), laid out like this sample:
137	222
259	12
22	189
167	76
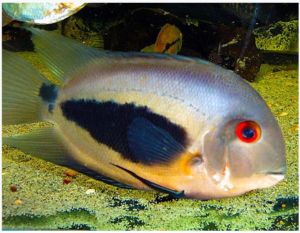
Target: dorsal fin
61	54
64	55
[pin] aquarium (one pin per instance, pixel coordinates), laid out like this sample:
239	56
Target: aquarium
150	116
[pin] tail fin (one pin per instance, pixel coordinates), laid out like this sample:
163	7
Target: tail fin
22	84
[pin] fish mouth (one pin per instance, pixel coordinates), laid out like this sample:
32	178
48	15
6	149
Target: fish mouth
275	173
257	181
261	181
277	176
271	179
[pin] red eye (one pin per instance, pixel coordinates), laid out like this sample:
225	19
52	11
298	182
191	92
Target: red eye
248	131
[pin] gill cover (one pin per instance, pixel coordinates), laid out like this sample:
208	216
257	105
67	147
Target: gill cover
215	151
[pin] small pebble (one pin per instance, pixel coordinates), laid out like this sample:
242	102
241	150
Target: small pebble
296	127
13	188
90	191
281	222
67	180
71	173
18	202
283	114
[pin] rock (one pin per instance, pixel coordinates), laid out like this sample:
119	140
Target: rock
280	37
67	180
13	188
236	50
18	202
71	173
276	58
78	28
90	191
283	114
16	39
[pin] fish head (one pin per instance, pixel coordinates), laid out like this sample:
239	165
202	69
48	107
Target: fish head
242	151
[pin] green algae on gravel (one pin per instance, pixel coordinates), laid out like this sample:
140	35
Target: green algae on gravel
48	203
280	36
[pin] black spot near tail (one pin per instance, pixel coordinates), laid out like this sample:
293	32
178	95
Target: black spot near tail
48	93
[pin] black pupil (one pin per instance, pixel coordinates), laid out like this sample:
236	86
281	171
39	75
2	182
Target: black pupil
248	132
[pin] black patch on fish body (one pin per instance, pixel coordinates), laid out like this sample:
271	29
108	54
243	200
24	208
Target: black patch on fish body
48	92
108	122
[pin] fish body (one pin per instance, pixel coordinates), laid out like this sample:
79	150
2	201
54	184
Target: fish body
169	40
178	125
41	13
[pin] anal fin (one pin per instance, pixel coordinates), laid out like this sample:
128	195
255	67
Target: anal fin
43	143
46	144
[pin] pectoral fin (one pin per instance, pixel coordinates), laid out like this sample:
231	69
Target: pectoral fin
173	193
152	144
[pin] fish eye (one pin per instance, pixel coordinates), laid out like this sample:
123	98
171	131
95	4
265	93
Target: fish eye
248	131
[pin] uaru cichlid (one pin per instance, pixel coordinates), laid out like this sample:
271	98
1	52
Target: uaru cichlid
179	125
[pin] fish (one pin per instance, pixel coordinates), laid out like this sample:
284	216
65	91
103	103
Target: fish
174	124
40	13
169	40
